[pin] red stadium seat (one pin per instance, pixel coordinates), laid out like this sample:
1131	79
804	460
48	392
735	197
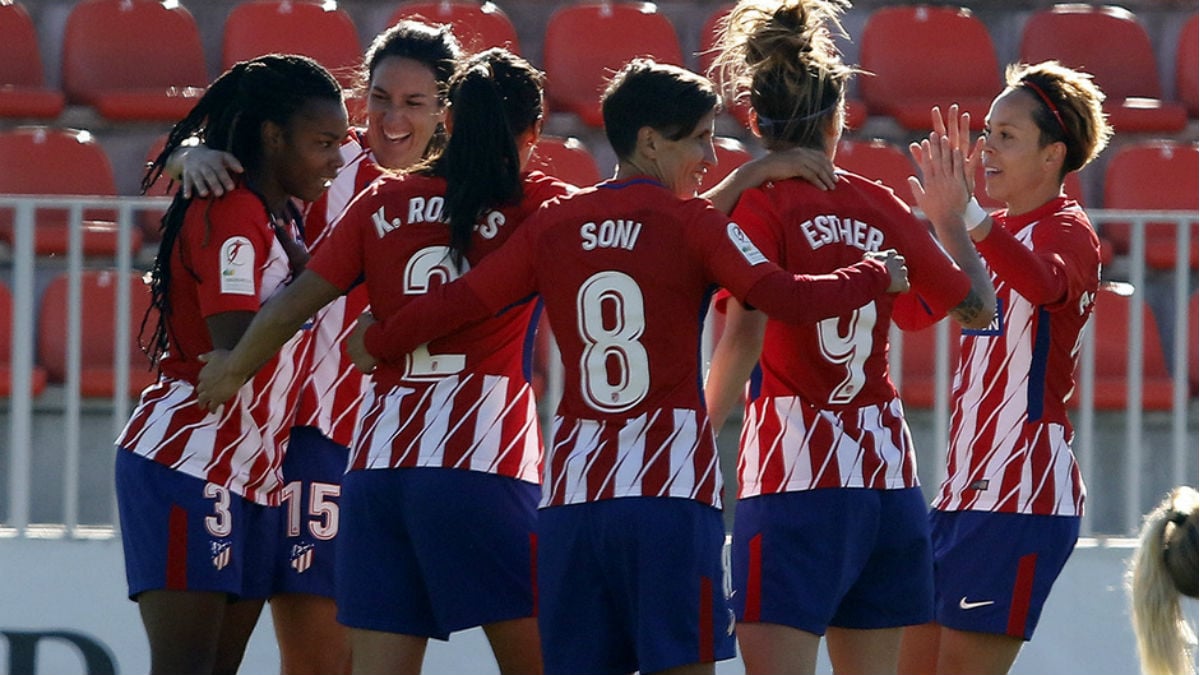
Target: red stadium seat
23	92
1153	175
586	42
98	324
1111	327
922	56
41	160
133	59
1109	43
730	155
856	111
6	316
477	26
878	160
918	384
1187	66
318	29
566	159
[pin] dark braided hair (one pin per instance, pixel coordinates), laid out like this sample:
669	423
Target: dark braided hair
228	117
495	97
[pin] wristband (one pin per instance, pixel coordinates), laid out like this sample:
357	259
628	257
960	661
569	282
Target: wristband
974	215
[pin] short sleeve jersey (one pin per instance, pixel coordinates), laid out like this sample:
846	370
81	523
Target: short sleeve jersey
1010	438
462	400
335	388
626	270
820	404
227	259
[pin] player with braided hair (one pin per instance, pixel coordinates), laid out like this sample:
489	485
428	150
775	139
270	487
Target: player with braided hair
404	77
198	490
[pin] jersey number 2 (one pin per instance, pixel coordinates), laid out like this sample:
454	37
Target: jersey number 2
425	265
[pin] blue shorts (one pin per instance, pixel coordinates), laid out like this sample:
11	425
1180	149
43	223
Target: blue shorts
429	551
993	571
183	533
632	584
843	557
309	520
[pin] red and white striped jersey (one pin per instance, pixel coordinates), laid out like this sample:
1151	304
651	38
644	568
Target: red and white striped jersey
821	409
227	258
1010	439
334	391
626	270
460	401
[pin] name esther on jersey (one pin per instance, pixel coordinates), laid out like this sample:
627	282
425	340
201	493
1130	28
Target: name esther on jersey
831	229
429	210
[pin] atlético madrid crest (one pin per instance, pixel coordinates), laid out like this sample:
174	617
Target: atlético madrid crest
302	557
222	553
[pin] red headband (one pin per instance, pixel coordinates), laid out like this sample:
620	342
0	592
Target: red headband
1049	104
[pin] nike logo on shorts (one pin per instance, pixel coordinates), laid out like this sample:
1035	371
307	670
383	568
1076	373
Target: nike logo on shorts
963	604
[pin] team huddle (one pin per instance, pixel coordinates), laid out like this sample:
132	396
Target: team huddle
345	425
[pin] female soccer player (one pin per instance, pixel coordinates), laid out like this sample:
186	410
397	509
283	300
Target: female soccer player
405	71
1007	515
198	490
831	535
630	531
440	499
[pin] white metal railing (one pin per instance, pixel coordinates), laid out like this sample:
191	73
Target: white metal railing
63	409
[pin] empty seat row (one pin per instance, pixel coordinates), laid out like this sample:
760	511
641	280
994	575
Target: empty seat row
97	300
919	55
1144	176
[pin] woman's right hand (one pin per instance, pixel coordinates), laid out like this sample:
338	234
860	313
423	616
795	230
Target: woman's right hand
203	170
896	267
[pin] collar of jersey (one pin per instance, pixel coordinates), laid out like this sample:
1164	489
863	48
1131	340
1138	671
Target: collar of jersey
628	182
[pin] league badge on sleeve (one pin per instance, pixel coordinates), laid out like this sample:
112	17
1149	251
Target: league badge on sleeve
744	246
237	266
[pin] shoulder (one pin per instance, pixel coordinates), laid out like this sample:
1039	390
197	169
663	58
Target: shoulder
538	188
